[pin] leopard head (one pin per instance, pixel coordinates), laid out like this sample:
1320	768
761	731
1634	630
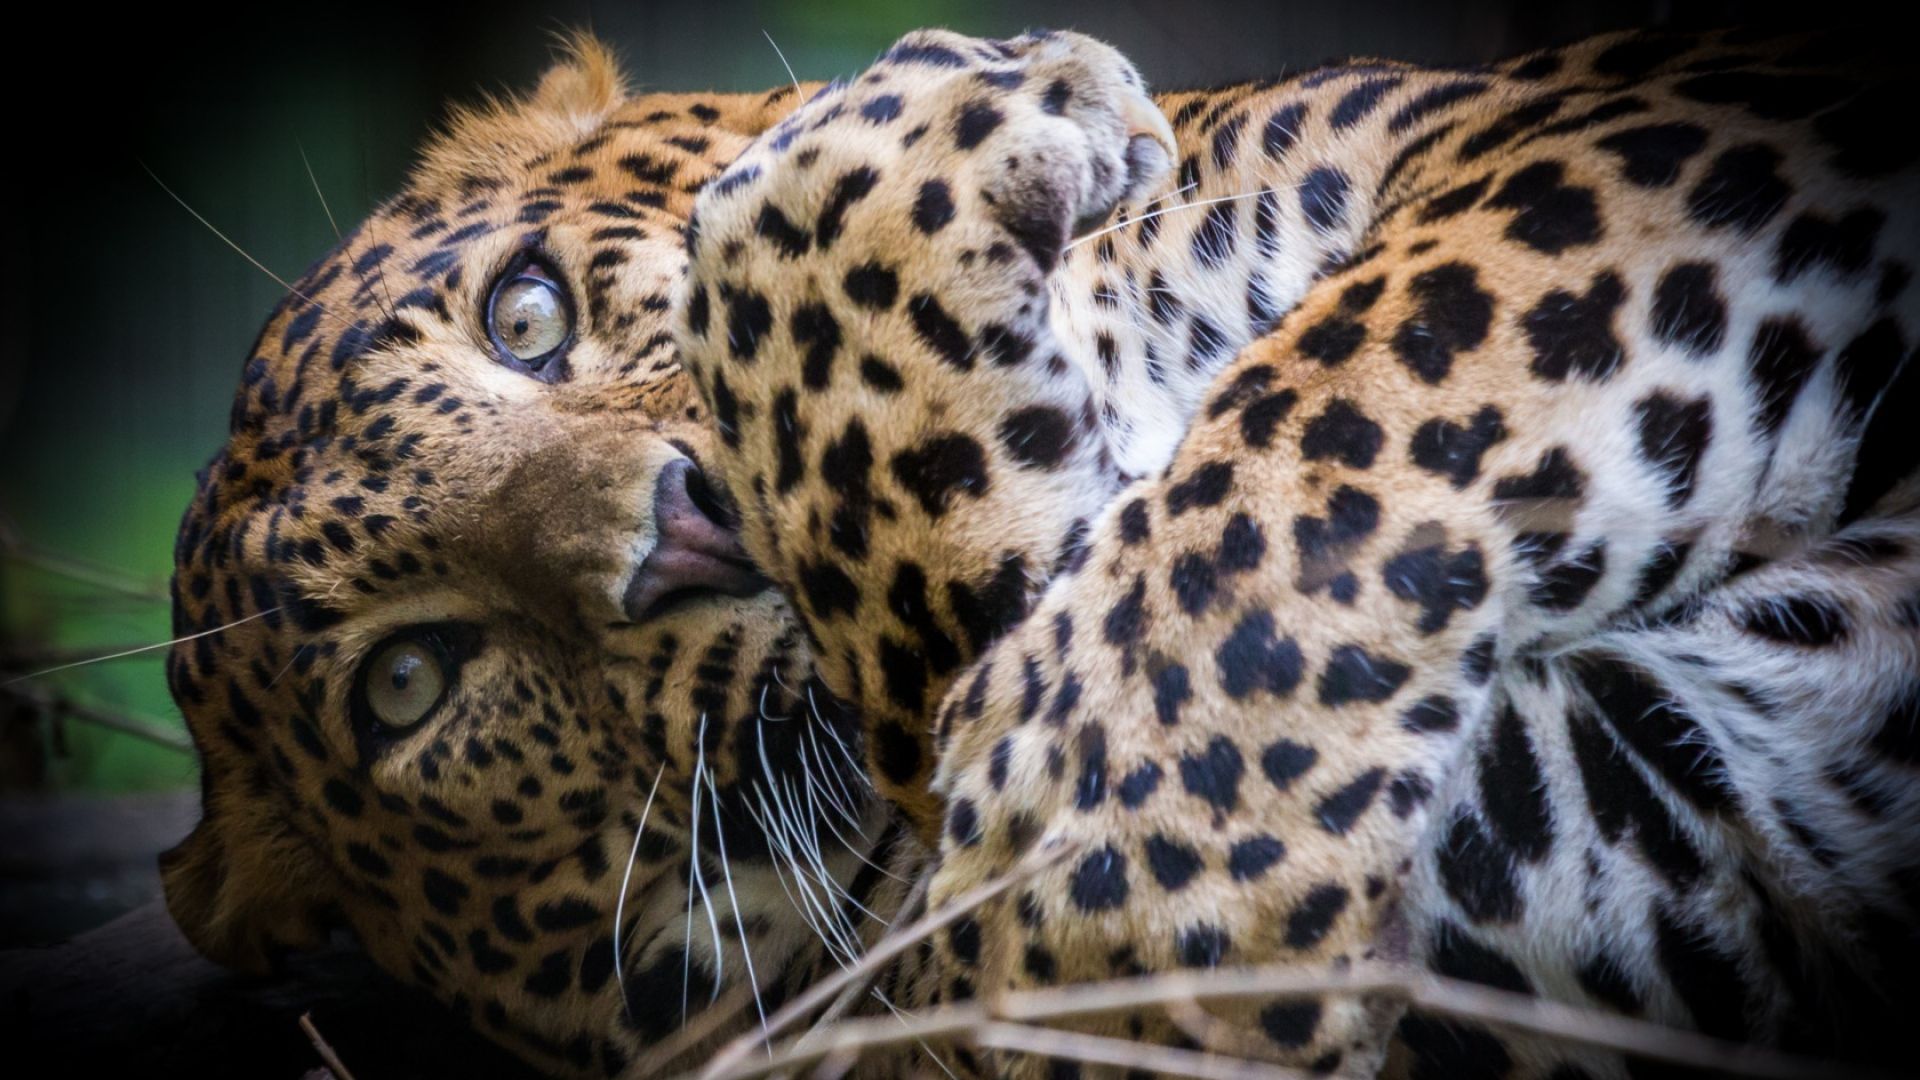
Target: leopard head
476	664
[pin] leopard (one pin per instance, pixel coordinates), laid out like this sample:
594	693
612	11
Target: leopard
648	551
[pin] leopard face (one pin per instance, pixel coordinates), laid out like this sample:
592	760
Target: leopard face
470	649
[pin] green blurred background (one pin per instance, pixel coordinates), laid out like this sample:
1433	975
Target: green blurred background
125	320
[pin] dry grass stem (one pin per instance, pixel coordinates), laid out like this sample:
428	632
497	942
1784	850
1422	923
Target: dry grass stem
883	951
697	1030
857	989
64	707
1447	997
324	1048
1101	1050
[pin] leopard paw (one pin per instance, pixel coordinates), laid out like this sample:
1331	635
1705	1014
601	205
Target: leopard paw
1043	136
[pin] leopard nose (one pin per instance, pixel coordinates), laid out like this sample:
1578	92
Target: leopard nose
697	552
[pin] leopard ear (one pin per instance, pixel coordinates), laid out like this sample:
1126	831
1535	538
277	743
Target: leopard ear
577	93
245	890
585	83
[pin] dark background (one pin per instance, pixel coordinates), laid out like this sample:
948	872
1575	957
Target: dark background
124	321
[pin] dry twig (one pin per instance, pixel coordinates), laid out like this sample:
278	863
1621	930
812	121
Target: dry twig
696	1031
62	706
41	656
1125	1053
888	947
324	1048
79	570
857	989
1448	997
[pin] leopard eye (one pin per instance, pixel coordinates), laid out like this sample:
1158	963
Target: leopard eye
528	316
403	681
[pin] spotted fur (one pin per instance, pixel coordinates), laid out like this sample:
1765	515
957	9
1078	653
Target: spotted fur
1360	562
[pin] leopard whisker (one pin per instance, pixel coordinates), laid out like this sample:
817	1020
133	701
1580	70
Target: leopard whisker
903	1016
808	845
833	781
779	834
836	893
783	61
844	893
1126	221
763	816
810	907
763	709
855	851
292	660
829	796
797	841
391	311
321	195
818	796
1097	233
359	273
378	276
713	918
797	837
696	878
826	794
168	644
739	924
626	879
242	252
850	776
858	774
858	854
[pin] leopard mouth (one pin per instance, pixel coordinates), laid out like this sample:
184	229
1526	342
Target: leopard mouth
685	579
